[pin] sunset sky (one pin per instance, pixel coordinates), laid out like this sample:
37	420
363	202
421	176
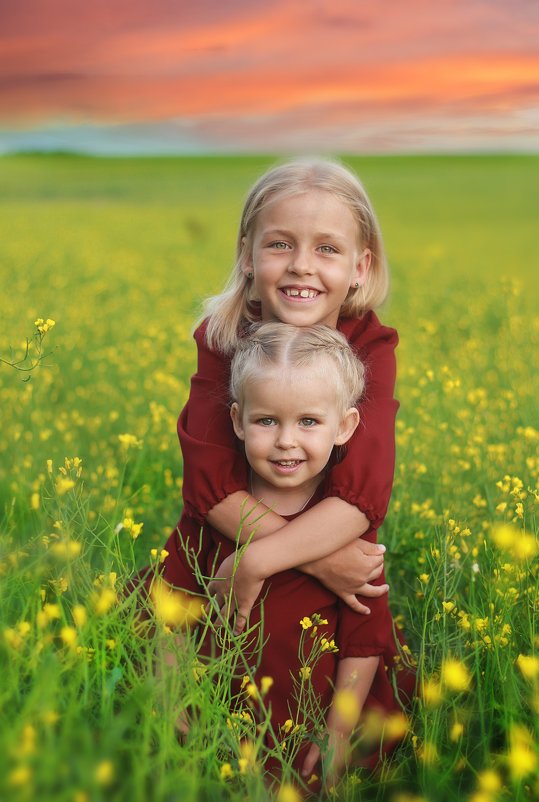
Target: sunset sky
125	76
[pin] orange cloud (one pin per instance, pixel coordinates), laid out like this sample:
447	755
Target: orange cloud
218	66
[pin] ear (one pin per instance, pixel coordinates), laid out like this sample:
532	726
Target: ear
347	426
236	421
246	258
361	269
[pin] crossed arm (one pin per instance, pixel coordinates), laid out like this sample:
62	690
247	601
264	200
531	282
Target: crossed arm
323	542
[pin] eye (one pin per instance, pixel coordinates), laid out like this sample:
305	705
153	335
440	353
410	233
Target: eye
266	421
308	422
279	246
328	249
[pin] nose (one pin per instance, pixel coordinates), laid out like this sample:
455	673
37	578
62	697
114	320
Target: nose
285	437
300	264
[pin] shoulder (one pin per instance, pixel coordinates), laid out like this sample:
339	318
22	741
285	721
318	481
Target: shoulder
199	333
368	333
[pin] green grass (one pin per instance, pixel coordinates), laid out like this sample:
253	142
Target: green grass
120	253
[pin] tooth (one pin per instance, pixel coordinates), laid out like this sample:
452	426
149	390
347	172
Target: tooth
294	292
311	293
304	293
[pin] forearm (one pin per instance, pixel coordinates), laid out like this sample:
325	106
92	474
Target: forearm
241	512
318	532
355	675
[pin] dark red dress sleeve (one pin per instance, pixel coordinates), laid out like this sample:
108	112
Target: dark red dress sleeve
361	635
364	477
213	466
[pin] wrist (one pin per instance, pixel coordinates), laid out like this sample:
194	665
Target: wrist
253	561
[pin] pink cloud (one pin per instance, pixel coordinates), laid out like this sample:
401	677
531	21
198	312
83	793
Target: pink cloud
218	64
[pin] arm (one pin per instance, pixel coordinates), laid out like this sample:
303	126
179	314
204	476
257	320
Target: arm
238	583
354	679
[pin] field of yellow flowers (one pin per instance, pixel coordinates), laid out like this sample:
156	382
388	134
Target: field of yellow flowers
103	265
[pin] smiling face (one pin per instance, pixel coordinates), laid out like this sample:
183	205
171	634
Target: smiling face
289	423
305	256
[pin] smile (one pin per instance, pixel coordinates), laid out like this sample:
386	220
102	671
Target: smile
286	466
295	292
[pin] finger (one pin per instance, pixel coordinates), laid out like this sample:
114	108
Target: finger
357	606
371	548
226	611
239	624
310	761
375	573
373	591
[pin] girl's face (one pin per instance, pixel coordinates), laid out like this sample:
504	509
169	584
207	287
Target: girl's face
305	257
289	423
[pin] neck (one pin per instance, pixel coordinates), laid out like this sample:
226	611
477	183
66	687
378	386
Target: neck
284	500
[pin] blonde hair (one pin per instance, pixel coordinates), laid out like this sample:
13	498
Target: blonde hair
280	345
237	306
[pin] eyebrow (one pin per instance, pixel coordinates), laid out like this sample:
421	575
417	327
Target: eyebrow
313	413
281	232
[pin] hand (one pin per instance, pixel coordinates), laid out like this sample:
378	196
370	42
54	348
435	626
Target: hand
338	753
350	570
236	591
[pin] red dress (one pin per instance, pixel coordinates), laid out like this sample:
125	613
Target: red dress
214	468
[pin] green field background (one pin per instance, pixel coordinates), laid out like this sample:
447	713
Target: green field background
120	253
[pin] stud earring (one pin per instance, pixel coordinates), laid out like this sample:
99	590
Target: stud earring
249	274
357	284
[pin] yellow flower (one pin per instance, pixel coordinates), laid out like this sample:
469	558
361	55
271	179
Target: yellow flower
288	793
287	726
50	717
328	645
35	501
104	772
265	684
251	690
226	771
43	326
20	776
424	578
52	611
518	543
129	441
456	731
80	616
431	692
455	675
174	607
103	601
346	705
63	485
448	606
489	781
396	726
130	526
69	636
66	549
305	672
529	665
306	622
521	757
